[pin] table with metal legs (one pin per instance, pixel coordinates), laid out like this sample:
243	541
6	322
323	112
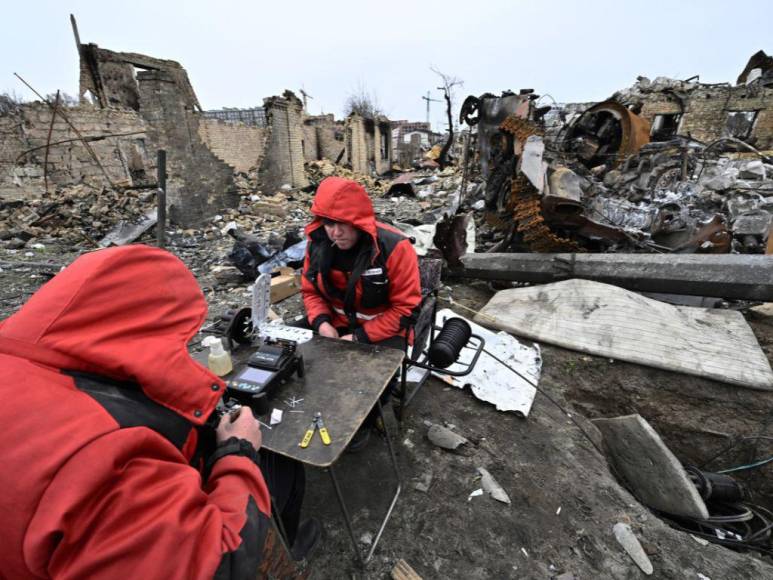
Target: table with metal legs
343	381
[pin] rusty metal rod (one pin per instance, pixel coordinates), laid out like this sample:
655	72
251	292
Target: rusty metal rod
73	127
48	141
89	138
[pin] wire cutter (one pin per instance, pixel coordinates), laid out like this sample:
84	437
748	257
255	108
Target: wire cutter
316	424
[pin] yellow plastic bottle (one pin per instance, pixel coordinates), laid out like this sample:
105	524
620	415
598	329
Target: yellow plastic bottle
219	360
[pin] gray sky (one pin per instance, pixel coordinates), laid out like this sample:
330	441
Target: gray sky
237	53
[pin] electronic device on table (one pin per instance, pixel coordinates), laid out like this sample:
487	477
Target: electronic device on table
275	359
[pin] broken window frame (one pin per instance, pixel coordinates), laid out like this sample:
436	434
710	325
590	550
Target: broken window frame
665	126
729	130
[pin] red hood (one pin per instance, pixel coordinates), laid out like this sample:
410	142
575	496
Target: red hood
125	313
343	200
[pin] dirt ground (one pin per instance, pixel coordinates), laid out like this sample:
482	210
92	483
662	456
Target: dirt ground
564	499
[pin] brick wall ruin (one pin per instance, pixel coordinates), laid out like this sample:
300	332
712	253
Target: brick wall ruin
240	146
198	183
151	105
705	112
324	138
283	160
356	144
368	144
118	138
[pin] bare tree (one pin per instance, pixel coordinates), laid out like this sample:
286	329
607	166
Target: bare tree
362	102
449	82
9	102
64	99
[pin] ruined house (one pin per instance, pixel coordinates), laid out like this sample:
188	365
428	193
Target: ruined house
323	138
368	143
707	112
410	139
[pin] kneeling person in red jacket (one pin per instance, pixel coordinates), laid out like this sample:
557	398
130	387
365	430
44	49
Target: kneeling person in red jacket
360	277
103	411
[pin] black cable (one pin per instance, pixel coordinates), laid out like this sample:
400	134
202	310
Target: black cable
742	518
549	398
734	445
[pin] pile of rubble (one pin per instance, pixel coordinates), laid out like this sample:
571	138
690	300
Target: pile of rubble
686	196
316	171
79	214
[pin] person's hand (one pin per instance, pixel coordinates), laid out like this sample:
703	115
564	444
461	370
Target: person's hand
241	424
328	330
347	337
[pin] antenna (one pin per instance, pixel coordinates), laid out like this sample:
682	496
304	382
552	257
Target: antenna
305	96
429	100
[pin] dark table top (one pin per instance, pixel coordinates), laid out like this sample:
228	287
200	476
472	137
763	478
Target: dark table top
343	381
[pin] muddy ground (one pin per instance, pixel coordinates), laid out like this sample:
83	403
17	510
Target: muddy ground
564	499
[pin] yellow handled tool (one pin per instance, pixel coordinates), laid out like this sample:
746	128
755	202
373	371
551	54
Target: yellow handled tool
322	429
309	434
316	424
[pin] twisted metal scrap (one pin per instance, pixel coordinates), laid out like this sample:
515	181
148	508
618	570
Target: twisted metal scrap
525	202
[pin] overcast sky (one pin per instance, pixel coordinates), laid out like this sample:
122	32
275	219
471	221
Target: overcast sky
238	52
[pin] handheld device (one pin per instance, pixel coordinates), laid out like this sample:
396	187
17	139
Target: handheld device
273	363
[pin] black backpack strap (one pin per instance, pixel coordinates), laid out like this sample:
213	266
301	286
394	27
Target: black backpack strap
364	260
130	407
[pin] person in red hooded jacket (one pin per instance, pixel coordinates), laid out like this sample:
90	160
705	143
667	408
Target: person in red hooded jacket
102	412
360	277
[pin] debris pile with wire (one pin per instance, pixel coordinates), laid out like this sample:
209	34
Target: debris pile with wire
733	520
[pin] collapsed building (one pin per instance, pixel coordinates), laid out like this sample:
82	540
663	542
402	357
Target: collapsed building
132	105
667	166
411	139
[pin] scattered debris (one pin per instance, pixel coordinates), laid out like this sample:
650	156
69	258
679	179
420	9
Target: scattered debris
607	321
492	487
424	481
126	232
445	438
476	493
627	539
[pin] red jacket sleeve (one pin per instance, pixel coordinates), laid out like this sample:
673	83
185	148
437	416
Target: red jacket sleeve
404	293
128	505
317	308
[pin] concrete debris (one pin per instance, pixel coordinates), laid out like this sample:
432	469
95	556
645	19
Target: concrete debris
607	321
492	487
126	232
652	473
78	215
445	438
630	543
726	276
424	481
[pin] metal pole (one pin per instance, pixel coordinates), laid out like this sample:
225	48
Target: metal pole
48	141
161	199
465	163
